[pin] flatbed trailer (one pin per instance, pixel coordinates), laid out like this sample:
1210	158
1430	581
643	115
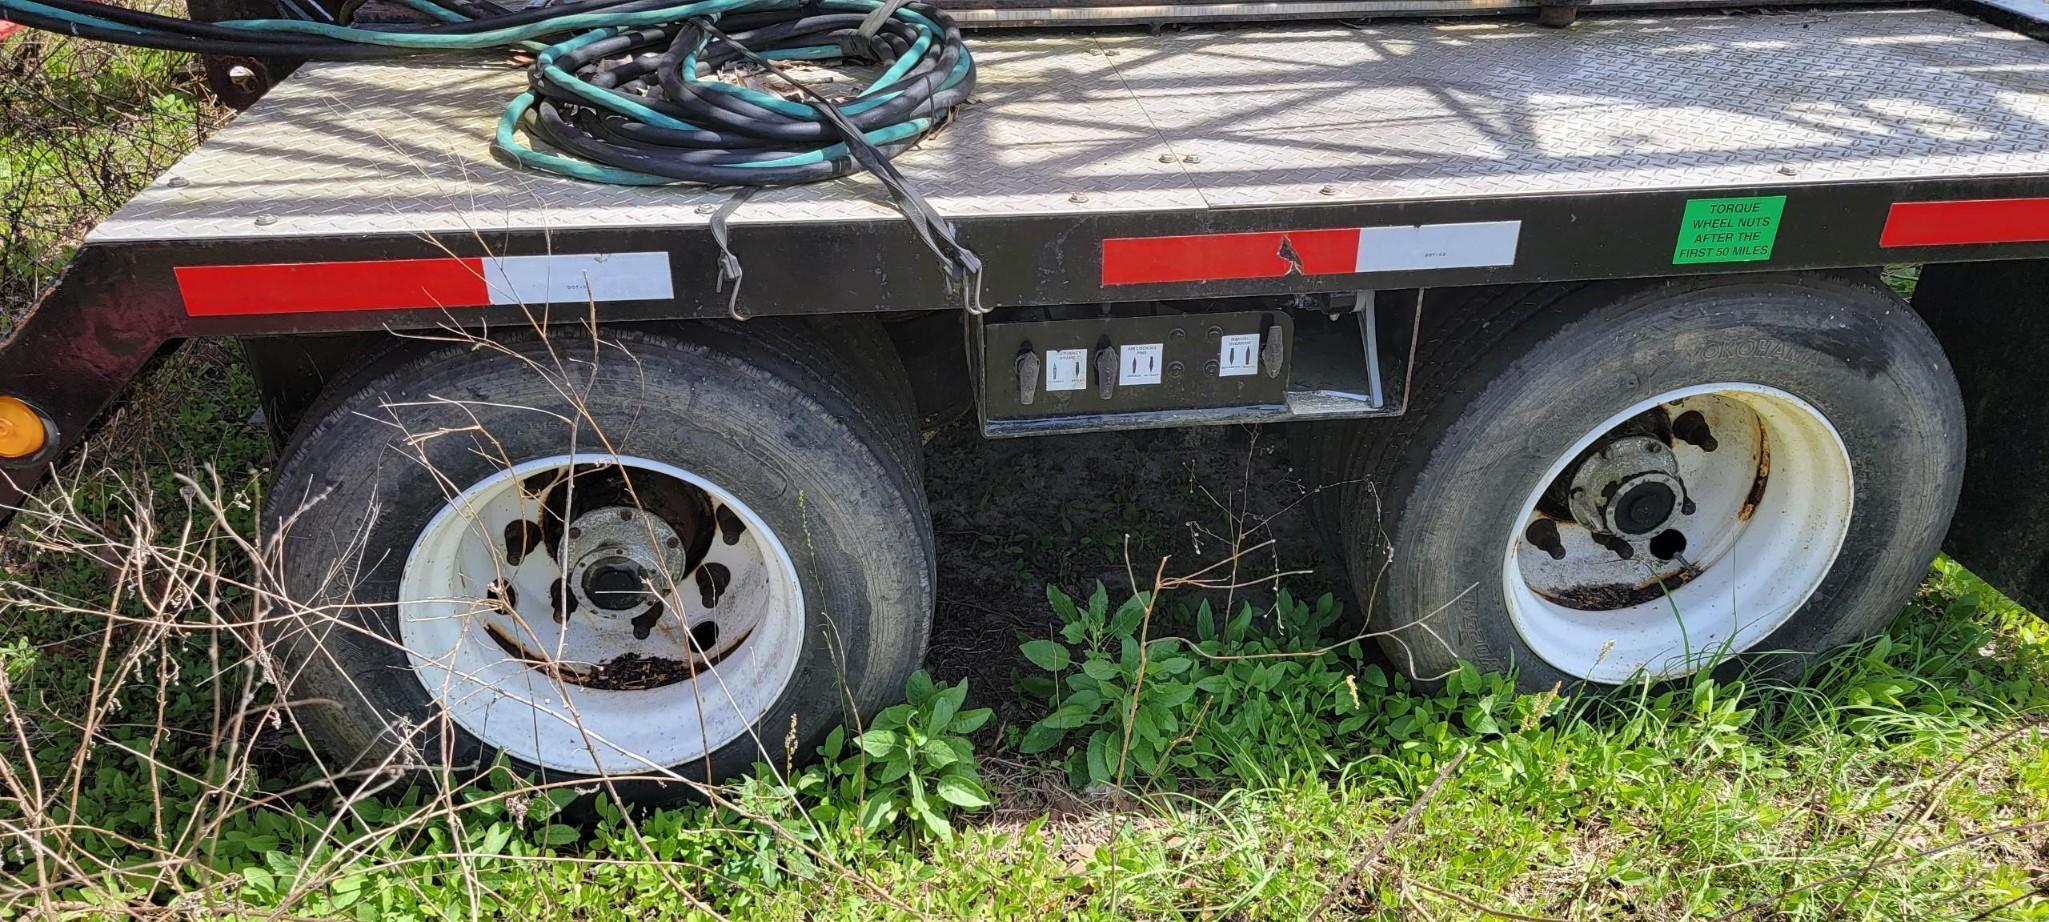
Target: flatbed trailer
1248	222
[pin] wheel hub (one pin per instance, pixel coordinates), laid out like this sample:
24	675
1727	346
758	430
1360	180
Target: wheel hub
1646	503
615	584
622	561
1630	488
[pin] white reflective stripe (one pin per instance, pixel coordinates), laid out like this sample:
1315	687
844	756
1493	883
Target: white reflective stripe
1438	246
580	278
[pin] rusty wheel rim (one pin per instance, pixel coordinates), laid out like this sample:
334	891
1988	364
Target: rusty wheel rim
1678	532
601	615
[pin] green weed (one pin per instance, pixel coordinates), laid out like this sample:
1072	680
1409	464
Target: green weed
1230	701
914	762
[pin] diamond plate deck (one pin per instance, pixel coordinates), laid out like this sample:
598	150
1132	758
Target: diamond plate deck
1213	118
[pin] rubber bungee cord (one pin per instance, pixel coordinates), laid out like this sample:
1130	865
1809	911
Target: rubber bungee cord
627	92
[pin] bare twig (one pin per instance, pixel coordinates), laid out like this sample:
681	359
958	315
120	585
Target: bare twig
1366	861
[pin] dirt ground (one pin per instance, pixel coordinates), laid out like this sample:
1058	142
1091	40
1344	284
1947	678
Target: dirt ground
1013	515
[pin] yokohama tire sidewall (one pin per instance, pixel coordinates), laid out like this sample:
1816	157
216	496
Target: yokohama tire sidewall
1846	347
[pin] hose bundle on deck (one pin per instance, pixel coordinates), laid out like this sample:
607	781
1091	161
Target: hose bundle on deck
643	100
628	87
626	91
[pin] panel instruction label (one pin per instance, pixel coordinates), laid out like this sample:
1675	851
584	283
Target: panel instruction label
1139	364
1238	355
1728	230
1067	369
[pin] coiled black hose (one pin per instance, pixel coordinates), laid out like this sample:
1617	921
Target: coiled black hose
630	87
627	91
713	135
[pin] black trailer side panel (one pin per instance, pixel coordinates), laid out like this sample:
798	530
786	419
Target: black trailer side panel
77	350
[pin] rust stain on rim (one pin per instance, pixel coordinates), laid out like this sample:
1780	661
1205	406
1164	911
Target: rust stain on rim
1764	473
625	672
1612	596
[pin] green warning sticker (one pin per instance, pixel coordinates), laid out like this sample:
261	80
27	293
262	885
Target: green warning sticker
1728	230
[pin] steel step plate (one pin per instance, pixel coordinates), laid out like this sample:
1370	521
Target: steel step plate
1068	123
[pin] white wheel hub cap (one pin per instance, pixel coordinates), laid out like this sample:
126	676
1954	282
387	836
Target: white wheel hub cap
601	615
1678	532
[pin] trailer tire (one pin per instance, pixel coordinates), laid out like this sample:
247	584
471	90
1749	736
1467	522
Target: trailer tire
1528	401
742	514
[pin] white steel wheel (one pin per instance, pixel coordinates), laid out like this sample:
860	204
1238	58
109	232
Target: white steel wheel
1680	531
601	615
737	562
1604	483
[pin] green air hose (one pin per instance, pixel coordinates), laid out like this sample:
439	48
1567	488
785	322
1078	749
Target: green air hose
625	91
626	87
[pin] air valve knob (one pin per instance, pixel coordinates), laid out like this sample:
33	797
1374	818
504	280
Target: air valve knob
1027	375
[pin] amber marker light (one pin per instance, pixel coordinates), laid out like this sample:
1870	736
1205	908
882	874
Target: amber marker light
22	433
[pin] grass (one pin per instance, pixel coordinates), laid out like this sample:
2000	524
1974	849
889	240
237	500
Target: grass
146	772
1901	782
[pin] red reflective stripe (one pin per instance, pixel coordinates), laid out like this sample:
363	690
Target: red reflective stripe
301	288
2004	220
1210	257
8	28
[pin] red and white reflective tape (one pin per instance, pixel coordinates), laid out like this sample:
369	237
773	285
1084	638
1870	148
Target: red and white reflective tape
1322	251
401	284
1955	223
